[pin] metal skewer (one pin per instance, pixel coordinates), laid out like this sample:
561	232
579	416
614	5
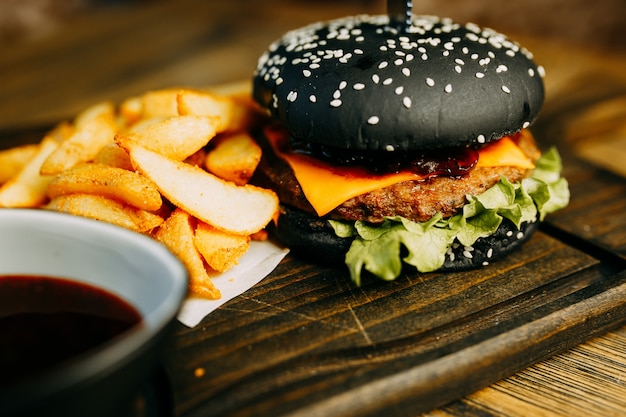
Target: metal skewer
400	13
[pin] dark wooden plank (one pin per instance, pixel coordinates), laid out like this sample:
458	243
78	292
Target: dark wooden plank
305	334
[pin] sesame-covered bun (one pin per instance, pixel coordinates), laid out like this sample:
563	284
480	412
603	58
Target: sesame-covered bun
313	238
359	83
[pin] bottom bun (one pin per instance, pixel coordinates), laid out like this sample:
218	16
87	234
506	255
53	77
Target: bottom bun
314	239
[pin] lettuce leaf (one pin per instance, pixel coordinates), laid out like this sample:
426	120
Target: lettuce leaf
377	248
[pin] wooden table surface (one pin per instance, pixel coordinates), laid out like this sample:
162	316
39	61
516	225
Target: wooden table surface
537	334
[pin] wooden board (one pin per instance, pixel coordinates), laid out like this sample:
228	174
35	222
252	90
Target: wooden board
305	341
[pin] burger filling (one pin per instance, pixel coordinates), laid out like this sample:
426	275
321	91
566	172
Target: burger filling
422	208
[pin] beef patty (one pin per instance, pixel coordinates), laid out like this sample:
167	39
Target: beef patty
414	200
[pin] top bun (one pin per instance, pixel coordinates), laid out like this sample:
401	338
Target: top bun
359	82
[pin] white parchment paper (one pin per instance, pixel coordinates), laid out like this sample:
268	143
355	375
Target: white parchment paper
256	264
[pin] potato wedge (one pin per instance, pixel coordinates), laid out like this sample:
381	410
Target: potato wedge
104	109
114	156
159	103
28	187
106	210
234	158
176	137
197	103
222	204
197	158
220	250
82	146
61	132
12	160
130	110
235	113
119	184
177	234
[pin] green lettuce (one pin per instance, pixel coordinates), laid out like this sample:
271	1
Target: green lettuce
378	247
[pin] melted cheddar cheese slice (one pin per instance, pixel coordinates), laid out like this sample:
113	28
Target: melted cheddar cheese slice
327	186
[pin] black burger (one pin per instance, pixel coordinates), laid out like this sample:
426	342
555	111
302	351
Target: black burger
405	146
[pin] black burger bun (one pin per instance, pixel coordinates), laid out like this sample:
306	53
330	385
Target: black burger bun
362	91
359	83
312	238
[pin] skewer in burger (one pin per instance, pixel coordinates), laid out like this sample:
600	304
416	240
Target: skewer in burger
396	146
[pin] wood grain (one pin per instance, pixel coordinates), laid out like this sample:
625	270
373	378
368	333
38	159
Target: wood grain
305	341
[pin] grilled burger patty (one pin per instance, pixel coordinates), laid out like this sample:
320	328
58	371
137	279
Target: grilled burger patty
414	200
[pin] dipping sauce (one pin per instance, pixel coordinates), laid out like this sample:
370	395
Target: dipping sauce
45	321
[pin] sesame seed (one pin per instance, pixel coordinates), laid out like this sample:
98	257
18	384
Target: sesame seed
541	71
458	69
398	61
409	57
314	66
399	90
485	263
279	81
343	85
424	57
430	82
389	148
358	51
306	73
336	94
526	124
373	120
480	75
335	103
358	86
501	68
519	235
510	53
375	78
448	88
387	81
467	254
383	65
406	72
406	101
292	96
506	89
509	233
481	138
489	252
531	72
312	98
